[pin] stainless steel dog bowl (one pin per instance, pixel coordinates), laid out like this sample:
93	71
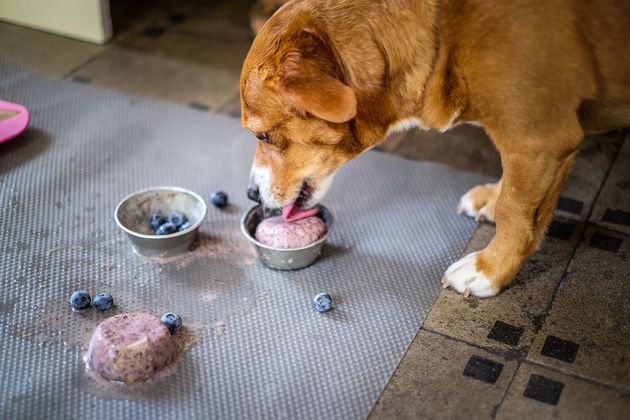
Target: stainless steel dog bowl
132	215
284	259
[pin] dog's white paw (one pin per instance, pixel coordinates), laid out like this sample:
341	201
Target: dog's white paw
464	277
478	203
467	206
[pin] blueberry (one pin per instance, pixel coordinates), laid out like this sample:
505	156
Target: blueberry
103	301
322	302
155	220
219	199
185	226
166	229
177	218
172	321
80	300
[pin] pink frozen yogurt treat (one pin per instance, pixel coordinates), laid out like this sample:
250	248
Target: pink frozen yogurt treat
276	232
130	348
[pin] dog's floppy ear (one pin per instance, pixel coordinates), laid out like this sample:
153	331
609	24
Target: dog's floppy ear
306	78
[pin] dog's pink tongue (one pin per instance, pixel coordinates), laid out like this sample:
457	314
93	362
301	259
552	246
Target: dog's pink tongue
293	213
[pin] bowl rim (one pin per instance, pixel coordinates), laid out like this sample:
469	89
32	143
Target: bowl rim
312	245
161	188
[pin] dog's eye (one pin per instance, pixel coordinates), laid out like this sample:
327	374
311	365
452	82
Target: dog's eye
263	137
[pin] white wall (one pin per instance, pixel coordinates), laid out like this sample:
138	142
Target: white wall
87	20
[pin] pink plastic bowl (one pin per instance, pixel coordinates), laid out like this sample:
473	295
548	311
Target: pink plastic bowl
14	125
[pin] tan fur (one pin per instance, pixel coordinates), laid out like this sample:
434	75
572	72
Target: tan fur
327	78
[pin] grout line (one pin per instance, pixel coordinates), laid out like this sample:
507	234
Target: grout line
565	273
115	40
617	388
492	350
496	408
85	63
391	376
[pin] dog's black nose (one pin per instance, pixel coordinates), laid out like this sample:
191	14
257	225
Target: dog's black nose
253	193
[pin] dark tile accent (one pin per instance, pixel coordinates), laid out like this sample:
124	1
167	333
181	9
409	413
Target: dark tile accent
506	333
605	242
570	205
618	217
483	369
543	389
176	18
198	106
560	230
154	31
81	79
560	349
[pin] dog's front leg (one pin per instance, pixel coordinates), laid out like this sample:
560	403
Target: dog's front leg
534	171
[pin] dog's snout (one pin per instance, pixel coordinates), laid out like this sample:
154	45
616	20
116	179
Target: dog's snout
253	193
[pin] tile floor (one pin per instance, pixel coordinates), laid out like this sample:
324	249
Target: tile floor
556	344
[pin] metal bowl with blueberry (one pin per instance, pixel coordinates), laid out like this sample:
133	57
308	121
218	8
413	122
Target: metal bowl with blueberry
284	258
161	221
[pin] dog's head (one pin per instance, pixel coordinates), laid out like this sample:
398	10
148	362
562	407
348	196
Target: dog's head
295	100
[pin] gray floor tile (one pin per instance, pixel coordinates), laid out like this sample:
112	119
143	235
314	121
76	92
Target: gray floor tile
589	171
612	208
393	141
464	147
220	20
133	17
441	378
507	321
45	52
540	393
173	66
588	329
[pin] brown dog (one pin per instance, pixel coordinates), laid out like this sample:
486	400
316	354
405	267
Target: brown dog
327	79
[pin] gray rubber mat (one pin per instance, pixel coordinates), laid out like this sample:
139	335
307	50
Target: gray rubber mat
261	351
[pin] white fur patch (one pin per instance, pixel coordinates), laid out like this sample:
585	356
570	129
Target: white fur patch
464	278
408	123
261	176
320	191
451	122
466	206
404	125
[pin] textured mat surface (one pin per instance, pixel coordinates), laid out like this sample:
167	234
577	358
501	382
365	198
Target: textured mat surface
261	351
